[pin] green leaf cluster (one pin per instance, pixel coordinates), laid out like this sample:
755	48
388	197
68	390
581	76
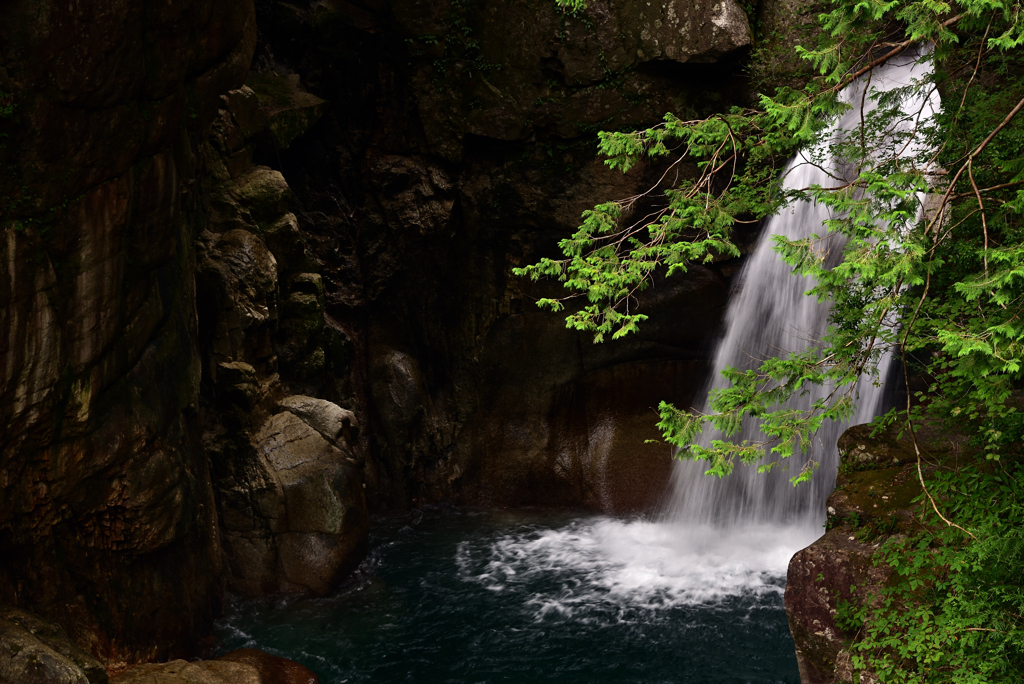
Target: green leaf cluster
952	610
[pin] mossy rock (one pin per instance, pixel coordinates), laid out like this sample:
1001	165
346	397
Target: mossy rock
33	650
878	496
264	193
291	111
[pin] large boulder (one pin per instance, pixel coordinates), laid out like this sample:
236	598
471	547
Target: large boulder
244	666
294	514
337	425
36	651
183	672
273	669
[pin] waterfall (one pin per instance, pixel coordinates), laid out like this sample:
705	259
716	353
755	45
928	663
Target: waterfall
768	315
717	542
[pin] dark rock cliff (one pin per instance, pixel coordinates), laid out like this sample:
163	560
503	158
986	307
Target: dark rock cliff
107	517
459	143
224	305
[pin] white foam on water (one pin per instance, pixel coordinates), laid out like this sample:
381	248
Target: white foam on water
602	563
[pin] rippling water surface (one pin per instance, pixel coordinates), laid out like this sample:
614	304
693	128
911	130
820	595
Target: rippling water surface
488	597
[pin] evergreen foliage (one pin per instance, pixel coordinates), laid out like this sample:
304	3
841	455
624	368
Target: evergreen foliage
952	611
941	285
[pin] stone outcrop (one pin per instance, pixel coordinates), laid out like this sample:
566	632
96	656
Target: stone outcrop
244	666
502	71
260	298
294	514
273	669
184	672
288	486
877	482
107	518
35	651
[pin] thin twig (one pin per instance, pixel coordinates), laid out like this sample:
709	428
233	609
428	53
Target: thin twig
981	208
906	380
900	47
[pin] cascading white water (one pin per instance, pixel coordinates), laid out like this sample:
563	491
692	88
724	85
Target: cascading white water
769	315
717	540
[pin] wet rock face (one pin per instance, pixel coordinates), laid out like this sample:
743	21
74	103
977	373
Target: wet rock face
459	143
294	512
106	512
819	576
35	651
273	669
539	67
286	479
184	672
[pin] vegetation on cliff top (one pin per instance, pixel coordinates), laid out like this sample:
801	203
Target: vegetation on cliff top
941	285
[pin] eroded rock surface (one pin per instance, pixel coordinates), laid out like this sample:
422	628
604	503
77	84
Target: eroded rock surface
287	483
107	520
335	424
273	669
523	66
184	672
294	512
877	482
244	666
35	651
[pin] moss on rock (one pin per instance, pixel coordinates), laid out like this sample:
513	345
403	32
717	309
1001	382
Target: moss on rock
290	110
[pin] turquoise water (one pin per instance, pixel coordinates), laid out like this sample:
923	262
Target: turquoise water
465	597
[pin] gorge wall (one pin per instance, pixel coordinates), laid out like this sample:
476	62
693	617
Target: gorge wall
256	283
107	516
459	143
